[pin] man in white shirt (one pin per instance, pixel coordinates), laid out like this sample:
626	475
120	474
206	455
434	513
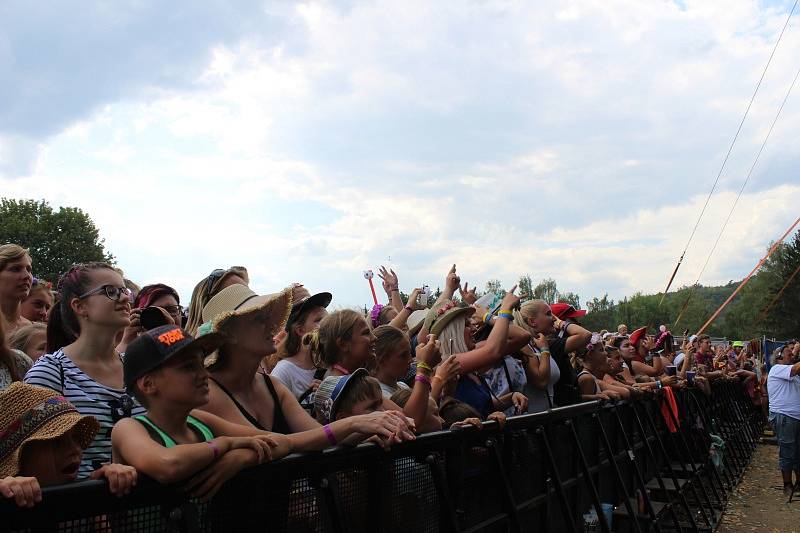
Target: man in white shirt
783	385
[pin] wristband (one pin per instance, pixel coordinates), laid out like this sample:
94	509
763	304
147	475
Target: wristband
542	352
214	448
504	311
437	377
487	317
409	308
422	378
424	366
506	314
329	433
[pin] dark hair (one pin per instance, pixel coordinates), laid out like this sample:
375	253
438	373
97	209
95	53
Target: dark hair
701	338
291	344
452	411
619	340
366	388
153	292
62	326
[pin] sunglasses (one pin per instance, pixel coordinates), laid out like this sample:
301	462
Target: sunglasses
215	276
121	408
112	292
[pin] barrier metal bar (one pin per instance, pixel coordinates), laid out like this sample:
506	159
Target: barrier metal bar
421	484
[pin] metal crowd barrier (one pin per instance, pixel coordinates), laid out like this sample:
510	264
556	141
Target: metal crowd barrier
617	467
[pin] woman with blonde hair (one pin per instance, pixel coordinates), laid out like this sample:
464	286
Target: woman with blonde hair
30	339
535	317
16	281
343	343
208	287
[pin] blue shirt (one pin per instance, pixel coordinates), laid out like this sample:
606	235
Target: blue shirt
478	396
784	391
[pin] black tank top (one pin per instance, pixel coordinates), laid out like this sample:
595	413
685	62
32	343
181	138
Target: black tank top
279	423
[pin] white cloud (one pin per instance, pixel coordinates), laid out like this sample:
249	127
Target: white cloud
576	143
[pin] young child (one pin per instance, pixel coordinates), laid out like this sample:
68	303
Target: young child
339	397
42	438
164	370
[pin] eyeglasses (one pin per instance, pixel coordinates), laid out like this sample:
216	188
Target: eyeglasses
173	309
112	292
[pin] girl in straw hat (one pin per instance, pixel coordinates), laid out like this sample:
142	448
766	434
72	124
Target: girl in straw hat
241	394
42	439
82	363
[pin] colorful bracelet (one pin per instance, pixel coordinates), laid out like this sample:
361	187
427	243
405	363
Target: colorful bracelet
487	317
504	311
424	366
434	378
422	378
506	314
542	352
214	448
409	308
329	433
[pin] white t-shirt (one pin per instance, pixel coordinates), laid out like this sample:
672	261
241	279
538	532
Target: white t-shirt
296	379
784	391
679	360
387	390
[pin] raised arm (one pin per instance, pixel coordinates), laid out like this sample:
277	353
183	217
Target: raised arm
392	288
495	346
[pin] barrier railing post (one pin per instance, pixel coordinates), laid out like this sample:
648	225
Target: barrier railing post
587	475
606	443
553	469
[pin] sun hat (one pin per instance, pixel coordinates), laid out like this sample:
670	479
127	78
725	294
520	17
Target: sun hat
415	321
331	391
564	311
239	300
439	318
29	413
637	335
738	344
156	346
321	299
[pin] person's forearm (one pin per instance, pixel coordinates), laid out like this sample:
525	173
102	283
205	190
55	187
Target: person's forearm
179	462
417	405
401	319
395	299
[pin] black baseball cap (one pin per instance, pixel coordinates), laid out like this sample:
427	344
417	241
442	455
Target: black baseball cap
152	348
322	299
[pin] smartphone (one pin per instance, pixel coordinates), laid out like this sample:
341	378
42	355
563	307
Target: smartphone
152	317
424	295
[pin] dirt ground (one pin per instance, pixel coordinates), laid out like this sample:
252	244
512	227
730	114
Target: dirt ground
758	503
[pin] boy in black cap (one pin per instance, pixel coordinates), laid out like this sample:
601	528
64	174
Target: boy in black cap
164	369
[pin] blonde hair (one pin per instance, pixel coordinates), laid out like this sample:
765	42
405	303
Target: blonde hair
202	294
453	331
10	253
386	340
338	325
20	338
528	310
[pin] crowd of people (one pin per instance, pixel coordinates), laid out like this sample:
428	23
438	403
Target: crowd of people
100	378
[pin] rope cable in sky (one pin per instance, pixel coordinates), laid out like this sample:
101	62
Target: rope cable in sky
738	196
727	155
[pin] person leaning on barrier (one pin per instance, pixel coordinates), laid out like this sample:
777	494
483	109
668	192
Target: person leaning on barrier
596	366
783	384
541	372
42	439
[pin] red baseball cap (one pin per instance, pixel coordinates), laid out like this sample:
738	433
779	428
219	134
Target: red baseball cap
564	311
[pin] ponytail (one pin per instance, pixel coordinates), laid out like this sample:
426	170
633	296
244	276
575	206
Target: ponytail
63	327
311	340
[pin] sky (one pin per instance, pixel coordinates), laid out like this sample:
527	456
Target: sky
309	141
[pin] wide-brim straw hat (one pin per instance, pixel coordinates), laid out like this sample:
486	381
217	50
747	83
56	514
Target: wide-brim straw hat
29	413
415	321
439	317
238	301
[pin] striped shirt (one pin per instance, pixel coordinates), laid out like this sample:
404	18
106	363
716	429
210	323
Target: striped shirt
57	372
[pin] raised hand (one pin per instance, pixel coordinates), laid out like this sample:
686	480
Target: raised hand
452	282
428	353
389	280
467	294
413	297
510	300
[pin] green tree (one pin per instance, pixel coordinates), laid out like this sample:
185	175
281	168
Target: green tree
546	290
495	286
56	239
525	286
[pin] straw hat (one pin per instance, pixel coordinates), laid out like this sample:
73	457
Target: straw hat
239	300
30	413
415	321
438	318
